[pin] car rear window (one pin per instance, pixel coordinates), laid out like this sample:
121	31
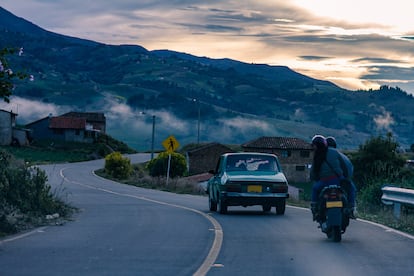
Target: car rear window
251	163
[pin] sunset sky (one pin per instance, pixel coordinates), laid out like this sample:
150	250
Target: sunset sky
355	44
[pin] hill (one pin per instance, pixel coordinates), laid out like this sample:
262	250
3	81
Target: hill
231	102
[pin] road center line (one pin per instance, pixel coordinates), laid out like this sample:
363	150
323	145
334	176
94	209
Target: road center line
218	231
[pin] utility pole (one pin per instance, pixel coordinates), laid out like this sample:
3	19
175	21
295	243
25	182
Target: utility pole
153	136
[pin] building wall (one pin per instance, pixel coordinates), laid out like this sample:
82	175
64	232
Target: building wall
6	133
78	135
296	173
74	135
21	136
40	130
205	159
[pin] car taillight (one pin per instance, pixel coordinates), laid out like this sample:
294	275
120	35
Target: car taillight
279	188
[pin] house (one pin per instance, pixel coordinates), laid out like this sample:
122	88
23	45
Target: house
7	123
295	155
204	158
71	126
10	134
94	120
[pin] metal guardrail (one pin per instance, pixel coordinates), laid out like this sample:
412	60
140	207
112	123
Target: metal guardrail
397	196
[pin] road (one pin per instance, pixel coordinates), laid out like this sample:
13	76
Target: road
125	230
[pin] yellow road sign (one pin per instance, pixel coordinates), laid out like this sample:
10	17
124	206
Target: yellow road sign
171	144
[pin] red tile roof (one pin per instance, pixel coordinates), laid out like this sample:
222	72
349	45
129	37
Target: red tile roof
278	143
67	123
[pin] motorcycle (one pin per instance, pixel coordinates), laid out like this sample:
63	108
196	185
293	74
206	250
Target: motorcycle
333	212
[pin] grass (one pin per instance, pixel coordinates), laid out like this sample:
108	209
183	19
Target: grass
38	155
47	151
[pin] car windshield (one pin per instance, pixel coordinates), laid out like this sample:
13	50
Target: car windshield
251	163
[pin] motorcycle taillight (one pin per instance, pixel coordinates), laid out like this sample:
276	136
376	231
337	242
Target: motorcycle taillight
334	195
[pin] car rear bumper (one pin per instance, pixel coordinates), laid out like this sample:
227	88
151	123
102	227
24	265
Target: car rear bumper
249	199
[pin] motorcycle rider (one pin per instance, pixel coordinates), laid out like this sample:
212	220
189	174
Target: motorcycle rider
328	168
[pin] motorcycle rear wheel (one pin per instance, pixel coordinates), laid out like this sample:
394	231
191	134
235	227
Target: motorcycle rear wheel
336	233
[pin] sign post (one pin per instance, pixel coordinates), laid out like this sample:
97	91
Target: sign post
170	144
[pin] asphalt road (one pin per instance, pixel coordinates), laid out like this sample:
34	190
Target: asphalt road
125	230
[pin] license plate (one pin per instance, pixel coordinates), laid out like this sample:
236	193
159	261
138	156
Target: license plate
333	204
254	189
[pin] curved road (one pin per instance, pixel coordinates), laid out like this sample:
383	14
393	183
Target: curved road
125	230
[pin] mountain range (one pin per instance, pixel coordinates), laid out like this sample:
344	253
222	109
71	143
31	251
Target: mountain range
196	99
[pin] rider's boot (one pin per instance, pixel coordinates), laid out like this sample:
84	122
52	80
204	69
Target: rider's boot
315	211
351	210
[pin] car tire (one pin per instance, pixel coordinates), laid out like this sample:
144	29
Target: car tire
281	207
222	206
266	208
212	203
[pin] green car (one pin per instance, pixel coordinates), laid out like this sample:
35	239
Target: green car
247	179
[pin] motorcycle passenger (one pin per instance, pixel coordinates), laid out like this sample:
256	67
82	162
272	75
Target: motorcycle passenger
331	141
328	168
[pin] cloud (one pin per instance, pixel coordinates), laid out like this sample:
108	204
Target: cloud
314	57
384	121
243	124
389	72
30	110
376	60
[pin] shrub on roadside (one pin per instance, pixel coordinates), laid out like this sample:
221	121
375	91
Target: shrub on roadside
377	160
159	165
118	166
24	195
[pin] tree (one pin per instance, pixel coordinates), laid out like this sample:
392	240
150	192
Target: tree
377	160
7	75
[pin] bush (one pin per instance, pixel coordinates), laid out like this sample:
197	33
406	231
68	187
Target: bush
24	194
377	160
117	166
159	165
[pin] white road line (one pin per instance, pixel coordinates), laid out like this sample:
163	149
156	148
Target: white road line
218	231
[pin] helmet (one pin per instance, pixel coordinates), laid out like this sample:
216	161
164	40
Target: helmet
331	141
319	140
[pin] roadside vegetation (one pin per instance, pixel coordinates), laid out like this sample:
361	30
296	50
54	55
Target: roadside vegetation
26	200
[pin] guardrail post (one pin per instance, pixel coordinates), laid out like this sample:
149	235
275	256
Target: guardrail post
397	210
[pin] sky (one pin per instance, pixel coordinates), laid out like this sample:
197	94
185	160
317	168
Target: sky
356	44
